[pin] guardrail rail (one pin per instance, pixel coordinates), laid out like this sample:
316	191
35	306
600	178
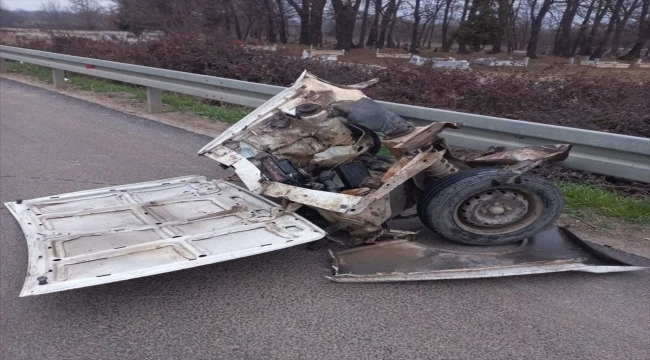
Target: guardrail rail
617	155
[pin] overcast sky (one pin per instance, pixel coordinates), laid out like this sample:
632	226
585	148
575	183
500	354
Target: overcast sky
35	4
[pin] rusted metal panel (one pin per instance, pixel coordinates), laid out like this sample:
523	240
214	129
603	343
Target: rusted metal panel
554	250
416	165
557	152
318	199
421	136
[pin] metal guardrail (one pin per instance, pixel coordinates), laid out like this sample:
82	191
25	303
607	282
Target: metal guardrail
604	153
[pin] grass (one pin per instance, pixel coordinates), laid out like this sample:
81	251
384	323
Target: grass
36	71
186	103
174	102
587	200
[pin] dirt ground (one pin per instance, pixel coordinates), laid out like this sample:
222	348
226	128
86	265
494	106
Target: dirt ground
606	231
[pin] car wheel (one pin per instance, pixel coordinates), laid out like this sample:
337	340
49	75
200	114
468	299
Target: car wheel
489	206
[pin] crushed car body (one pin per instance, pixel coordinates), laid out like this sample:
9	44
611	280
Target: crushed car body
339	166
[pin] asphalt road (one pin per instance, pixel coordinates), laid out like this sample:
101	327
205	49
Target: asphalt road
276	305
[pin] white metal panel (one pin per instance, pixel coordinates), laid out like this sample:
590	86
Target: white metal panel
100	236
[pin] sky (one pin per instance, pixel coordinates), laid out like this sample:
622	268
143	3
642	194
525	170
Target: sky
34	4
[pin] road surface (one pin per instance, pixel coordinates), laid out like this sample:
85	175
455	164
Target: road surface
277	305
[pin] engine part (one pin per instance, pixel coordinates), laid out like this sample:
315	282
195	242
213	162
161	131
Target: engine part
360	130
281	171
327	179
307	109
374	163
353	174
334	156
441	169
386	158
366	112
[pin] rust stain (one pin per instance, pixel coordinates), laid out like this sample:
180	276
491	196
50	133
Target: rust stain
557	152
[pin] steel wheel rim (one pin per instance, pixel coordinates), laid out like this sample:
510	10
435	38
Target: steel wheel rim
498	211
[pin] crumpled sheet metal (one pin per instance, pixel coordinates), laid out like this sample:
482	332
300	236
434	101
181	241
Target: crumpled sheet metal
420	137
553	250
307	88
321	199
557	152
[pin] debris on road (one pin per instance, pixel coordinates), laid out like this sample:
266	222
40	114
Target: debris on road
316	146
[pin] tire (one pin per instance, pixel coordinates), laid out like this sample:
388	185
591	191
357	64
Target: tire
479	207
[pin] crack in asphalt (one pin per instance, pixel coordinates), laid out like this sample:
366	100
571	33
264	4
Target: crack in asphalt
57	179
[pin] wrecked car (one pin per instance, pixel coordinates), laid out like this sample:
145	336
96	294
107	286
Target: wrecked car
318	161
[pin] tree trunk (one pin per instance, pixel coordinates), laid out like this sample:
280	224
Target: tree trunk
416	24
512	26
233	15
345	15
583	27
621	21
316	22
305	28
374	29
466	7
385	23
282	26
364	23
422	32
598	52
588	41
562	43
446	19
391	27
502	24
433	26
643	34
271	35
536	26
469	12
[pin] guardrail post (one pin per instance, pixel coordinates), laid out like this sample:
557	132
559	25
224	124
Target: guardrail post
58	78
154	100
3	66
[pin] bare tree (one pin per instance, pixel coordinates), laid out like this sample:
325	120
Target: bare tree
536	25
385	22
503	15
391	26
282	22
628	8
562	44
374	28
643	32
311	20
89	11
416	23
598	52
446	20
364	24
586	43
345	14
52	11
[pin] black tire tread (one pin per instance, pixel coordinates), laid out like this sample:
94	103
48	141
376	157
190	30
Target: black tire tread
437	224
